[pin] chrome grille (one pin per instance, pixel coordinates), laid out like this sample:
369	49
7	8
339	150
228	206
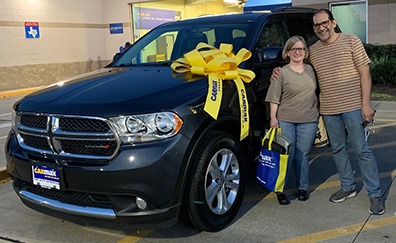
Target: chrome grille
36	142
39	122
83	125
67	136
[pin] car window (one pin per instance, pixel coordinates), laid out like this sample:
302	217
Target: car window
158	50
273	35
166	45
302	26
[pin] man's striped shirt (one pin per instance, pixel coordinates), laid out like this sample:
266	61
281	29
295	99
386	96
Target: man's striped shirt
337	65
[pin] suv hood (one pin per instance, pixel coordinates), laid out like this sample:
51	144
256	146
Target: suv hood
112	92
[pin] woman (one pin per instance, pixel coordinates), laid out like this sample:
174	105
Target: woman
293	107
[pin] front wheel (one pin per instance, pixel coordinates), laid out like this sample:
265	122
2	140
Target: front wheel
216	183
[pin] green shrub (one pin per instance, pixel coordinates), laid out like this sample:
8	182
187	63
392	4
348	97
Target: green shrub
383	63
383	70
377	51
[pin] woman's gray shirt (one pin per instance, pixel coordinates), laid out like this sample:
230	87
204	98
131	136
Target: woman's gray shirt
295	94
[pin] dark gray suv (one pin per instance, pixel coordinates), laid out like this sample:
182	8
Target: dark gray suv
130	143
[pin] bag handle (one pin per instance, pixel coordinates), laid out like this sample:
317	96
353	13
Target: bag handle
271	134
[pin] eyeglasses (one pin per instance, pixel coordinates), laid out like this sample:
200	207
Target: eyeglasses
324	24
297	49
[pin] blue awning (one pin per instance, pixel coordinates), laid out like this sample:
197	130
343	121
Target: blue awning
257	5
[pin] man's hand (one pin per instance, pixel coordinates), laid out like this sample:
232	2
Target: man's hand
368	113
275	73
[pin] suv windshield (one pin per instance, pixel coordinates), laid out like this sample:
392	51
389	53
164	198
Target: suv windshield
166	44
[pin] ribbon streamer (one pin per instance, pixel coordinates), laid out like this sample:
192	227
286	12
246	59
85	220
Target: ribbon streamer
218	65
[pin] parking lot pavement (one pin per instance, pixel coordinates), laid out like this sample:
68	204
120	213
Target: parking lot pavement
262	219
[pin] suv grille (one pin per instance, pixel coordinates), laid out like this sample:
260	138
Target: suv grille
83	125
39	122
36	142
67	136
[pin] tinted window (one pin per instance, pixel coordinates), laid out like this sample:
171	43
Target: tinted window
273	35
302	26
166	44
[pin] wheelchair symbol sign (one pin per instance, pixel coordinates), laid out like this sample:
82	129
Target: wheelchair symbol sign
32	30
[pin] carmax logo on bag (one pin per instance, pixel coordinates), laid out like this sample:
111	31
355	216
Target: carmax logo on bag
266	160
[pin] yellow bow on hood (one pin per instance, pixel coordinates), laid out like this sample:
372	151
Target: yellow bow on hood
218	64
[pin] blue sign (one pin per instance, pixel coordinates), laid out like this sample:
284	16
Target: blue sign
32	30
116	28
259	5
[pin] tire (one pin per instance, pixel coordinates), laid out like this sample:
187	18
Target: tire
216	183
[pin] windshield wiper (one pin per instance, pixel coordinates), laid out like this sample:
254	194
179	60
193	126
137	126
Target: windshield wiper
166	63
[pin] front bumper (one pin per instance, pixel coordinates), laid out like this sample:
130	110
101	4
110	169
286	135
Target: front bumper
152	172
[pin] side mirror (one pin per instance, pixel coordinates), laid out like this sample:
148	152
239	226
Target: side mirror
122	49
272	54
116	56
269	57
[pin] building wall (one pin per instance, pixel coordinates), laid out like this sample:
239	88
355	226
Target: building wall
71	41
74	36
381	18
381	21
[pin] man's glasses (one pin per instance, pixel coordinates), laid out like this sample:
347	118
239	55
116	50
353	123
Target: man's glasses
324	24
297	49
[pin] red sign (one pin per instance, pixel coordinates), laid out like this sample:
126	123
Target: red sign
31	24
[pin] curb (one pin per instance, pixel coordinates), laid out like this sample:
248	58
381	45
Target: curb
4	177
9	93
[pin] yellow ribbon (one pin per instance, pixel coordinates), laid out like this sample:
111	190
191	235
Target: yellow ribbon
218	64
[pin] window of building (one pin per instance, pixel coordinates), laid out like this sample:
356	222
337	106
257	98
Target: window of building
351	17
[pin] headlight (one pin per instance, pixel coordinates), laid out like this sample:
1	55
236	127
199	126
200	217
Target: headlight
15	119
147	127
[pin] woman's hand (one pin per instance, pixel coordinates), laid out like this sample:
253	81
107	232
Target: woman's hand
274	123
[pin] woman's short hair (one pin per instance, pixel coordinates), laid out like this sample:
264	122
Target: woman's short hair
290	42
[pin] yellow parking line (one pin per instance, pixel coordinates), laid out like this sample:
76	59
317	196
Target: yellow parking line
384	125
381	145
5	94
385	120
3	137
343	231
135	236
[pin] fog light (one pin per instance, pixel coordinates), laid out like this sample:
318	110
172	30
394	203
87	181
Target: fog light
141	203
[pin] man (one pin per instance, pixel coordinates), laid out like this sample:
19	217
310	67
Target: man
342	68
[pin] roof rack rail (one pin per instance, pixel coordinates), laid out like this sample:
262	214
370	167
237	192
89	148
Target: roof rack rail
294	9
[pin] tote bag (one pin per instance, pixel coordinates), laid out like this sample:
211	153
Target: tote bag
321	139
272	166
